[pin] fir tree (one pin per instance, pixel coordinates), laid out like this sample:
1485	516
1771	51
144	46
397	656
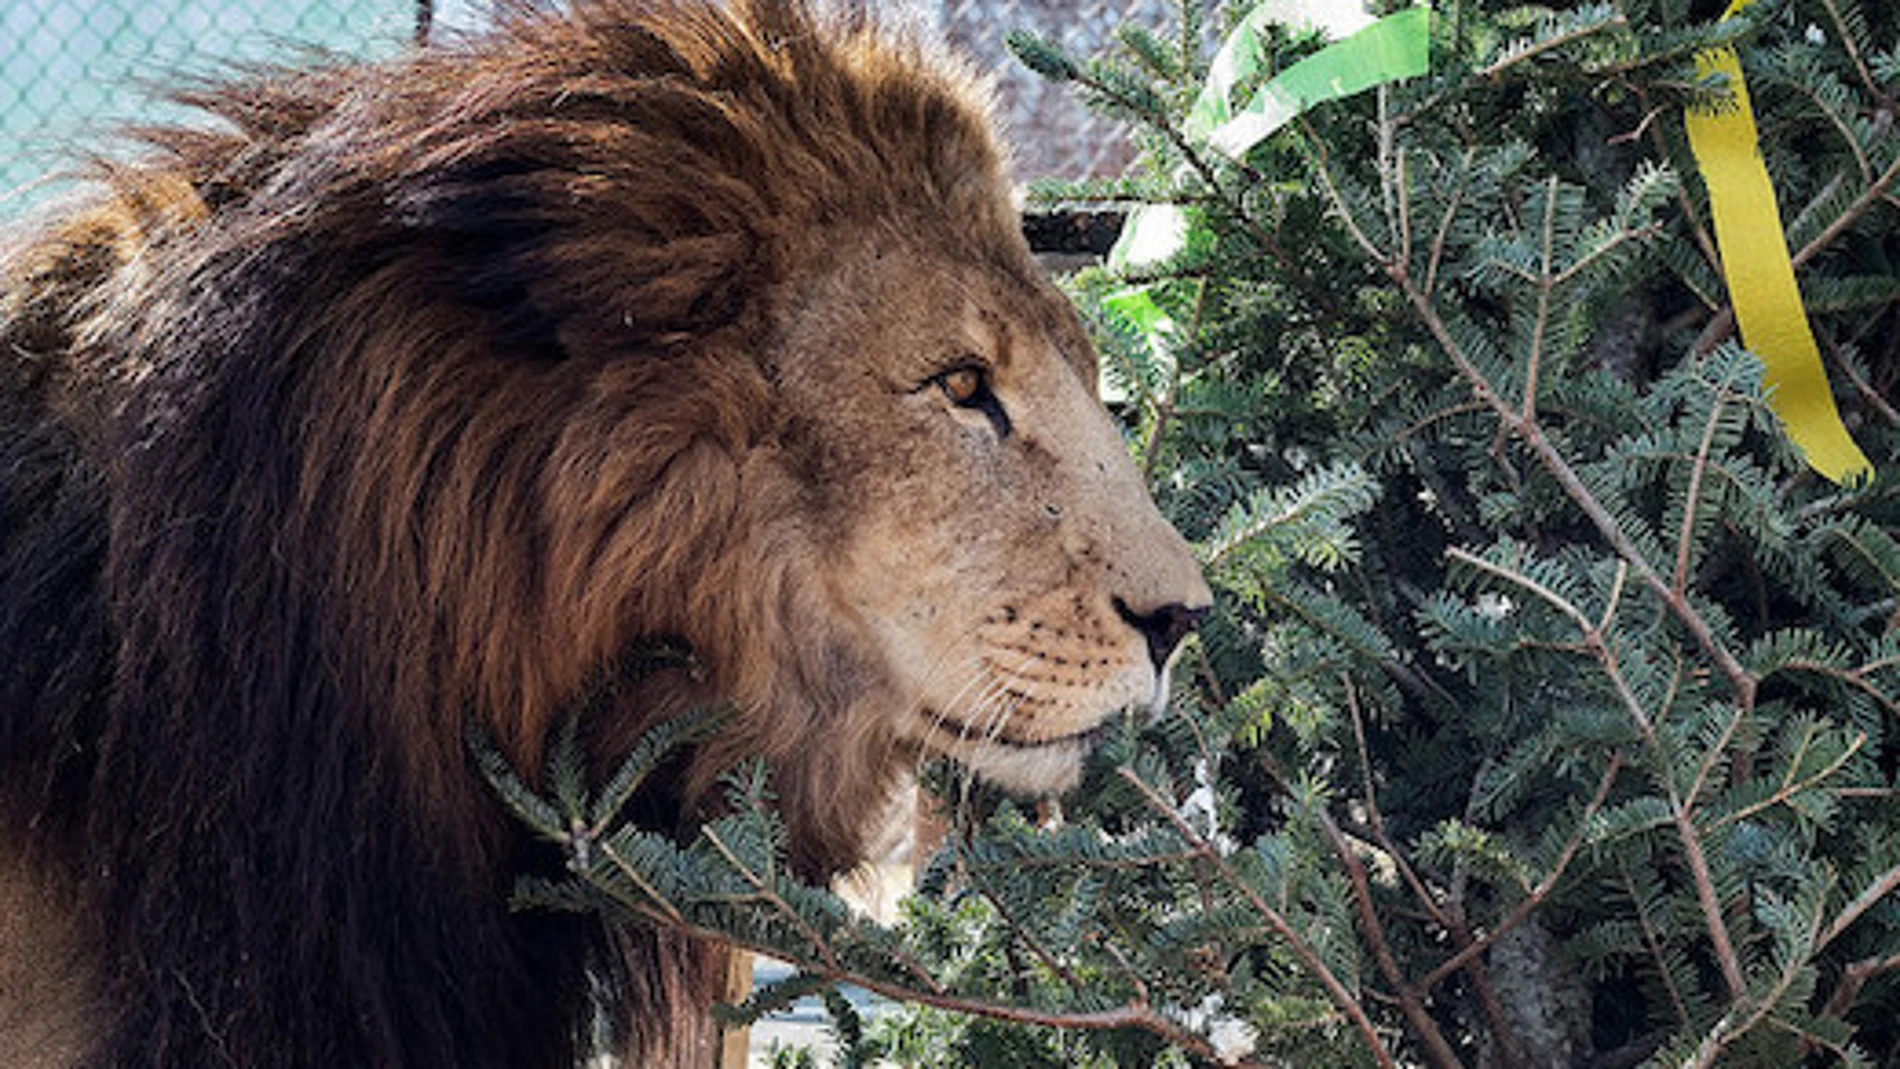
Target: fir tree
1544	717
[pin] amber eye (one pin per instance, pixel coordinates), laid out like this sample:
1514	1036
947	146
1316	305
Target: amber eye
963	386
968	386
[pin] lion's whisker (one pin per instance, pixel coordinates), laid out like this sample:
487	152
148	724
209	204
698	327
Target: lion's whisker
941	712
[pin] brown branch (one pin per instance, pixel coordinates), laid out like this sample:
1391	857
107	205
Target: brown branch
1871	196
1347	1002
1681	809
1789	787
1049	961
820	945
1411	1004
1653	942
1685	613
1723	324
1475	972
823	963
1496	69
1887	884
1861	386
1709	1052
1856	679
1132	1014
1685	539
662	909
1529	903
1165	404
1698	231
1853	978
1528	431
1867	80
1376	818
1443	235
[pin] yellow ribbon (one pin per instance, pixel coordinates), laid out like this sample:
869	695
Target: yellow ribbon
1760	273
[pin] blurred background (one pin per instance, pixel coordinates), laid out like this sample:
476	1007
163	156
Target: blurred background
73	71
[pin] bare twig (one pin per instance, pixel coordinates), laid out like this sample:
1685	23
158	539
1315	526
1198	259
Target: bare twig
1853	978
1411	1002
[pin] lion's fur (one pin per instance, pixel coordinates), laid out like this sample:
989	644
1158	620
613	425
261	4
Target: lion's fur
430	389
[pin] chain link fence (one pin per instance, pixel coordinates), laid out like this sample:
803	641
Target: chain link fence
1052	133
72	71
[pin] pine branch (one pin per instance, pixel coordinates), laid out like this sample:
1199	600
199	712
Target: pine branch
1873	894
1850	41
1750	1012
1790	787
1475	973
1549	41
1484	526
1343	998
1541	892
1531	434
1411	1002
1855	977
1875	193
1653	943
1722	327
1685	539
1681	808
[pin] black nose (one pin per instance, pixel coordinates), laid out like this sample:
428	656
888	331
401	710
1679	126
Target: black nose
1164	628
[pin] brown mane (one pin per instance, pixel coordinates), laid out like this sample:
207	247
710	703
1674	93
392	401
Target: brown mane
284	414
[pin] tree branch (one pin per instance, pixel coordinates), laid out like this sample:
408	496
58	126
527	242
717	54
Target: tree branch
1308	957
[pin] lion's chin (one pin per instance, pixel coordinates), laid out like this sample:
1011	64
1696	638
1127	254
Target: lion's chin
1034	769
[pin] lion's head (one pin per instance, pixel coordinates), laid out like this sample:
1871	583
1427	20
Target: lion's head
987	546
432	389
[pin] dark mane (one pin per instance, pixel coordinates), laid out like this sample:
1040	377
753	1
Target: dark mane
283	415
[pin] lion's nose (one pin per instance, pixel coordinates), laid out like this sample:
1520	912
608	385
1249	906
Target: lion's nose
1164	628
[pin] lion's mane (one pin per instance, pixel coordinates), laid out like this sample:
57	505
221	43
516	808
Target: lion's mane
403	396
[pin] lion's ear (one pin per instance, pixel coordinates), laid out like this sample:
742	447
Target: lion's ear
567	263
606	296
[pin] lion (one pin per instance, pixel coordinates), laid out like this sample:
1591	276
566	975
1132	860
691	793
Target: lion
408	395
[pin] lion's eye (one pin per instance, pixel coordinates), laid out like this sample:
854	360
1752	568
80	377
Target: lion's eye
968	386
963	386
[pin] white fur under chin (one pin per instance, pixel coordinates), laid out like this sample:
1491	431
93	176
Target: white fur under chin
1158	707
1052	769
